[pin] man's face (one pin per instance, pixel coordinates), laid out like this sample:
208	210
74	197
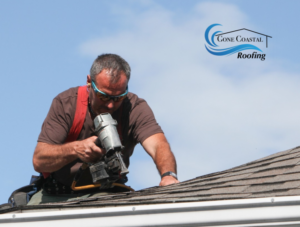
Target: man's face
104	84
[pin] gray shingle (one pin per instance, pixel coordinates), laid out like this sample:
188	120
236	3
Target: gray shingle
286	177
293	192
290	185
288	162
232	178
145	197
262	188
228	190
187	194
195	185
208	178
249	181
230	196
269	194
174	200
250	166
295	150
190	199
278	154
275	175
285	157
270	172
249	170
295	169
274	159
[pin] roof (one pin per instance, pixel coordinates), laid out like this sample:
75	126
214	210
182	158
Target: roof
276	175
243	29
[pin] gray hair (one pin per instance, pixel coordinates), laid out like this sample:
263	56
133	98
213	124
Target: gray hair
114	63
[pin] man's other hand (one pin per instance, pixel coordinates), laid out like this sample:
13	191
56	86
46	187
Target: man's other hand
88	151
168	180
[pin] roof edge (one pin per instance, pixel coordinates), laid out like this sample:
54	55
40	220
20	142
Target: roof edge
280	210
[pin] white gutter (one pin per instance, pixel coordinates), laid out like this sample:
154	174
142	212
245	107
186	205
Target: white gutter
277	211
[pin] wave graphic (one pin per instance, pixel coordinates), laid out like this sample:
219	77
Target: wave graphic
226	51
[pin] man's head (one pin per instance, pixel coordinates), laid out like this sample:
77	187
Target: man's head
109	76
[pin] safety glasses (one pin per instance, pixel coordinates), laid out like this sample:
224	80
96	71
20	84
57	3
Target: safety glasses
105	97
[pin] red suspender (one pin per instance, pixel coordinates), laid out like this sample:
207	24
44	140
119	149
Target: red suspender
80	113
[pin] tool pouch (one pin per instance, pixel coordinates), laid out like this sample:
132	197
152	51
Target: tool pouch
21	196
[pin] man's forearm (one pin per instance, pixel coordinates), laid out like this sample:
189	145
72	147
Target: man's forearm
50	158
165	162
164	158
159	149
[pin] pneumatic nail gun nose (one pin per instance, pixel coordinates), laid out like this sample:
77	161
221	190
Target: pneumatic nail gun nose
112	167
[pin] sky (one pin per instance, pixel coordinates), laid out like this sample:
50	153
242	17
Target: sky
217	112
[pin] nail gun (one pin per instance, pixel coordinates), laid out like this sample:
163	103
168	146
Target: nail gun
112	167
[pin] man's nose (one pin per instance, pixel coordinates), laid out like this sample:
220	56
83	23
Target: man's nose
110	104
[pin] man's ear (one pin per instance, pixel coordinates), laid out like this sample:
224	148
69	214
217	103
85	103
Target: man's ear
88	80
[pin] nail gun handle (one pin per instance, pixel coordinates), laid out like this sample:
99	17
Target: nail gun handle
124	169
98	142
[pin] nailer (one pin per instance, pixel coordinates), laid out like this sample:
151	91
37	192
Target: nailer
111	168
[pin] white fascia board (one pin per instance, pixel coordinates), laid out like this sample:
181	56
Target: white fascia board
277	211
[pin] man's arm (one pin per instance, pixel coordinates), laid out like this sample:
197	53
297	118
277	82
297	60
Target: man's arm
158	148
50	158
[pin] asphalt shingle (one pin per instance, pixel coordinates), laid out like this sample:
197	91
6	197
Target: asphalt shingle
275	175
271	176
249	181
270	172
262	188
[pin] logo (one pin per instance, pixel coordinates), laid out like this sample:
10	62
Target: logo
225	44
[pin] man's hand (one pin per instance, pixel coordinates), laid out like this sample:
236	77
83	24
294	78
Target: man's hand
88	151
168	180
50	158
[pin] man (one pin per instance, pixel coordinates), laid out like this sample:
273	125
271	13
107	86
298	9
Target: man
107	87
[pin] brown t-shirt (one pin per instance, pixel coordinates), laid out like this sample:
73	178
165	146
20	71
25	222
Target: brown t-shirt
136	118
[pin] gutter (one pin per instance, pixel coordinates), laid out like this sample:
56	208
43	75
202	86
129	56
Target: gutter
273	211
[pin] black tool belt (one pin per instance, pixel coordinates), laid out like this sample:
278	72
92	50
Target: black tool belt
54	187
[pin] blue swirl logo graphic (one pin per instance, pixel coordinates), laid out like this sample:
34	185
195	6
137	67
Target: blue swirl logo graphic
227	51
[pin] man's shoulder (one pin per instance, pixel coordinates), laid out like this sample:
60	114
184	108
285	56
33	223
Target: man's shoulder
141	119
134	100
136	105
67	94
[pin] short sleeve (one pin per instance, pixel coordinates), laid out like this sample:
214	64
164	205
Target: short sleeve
144	122
56	125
